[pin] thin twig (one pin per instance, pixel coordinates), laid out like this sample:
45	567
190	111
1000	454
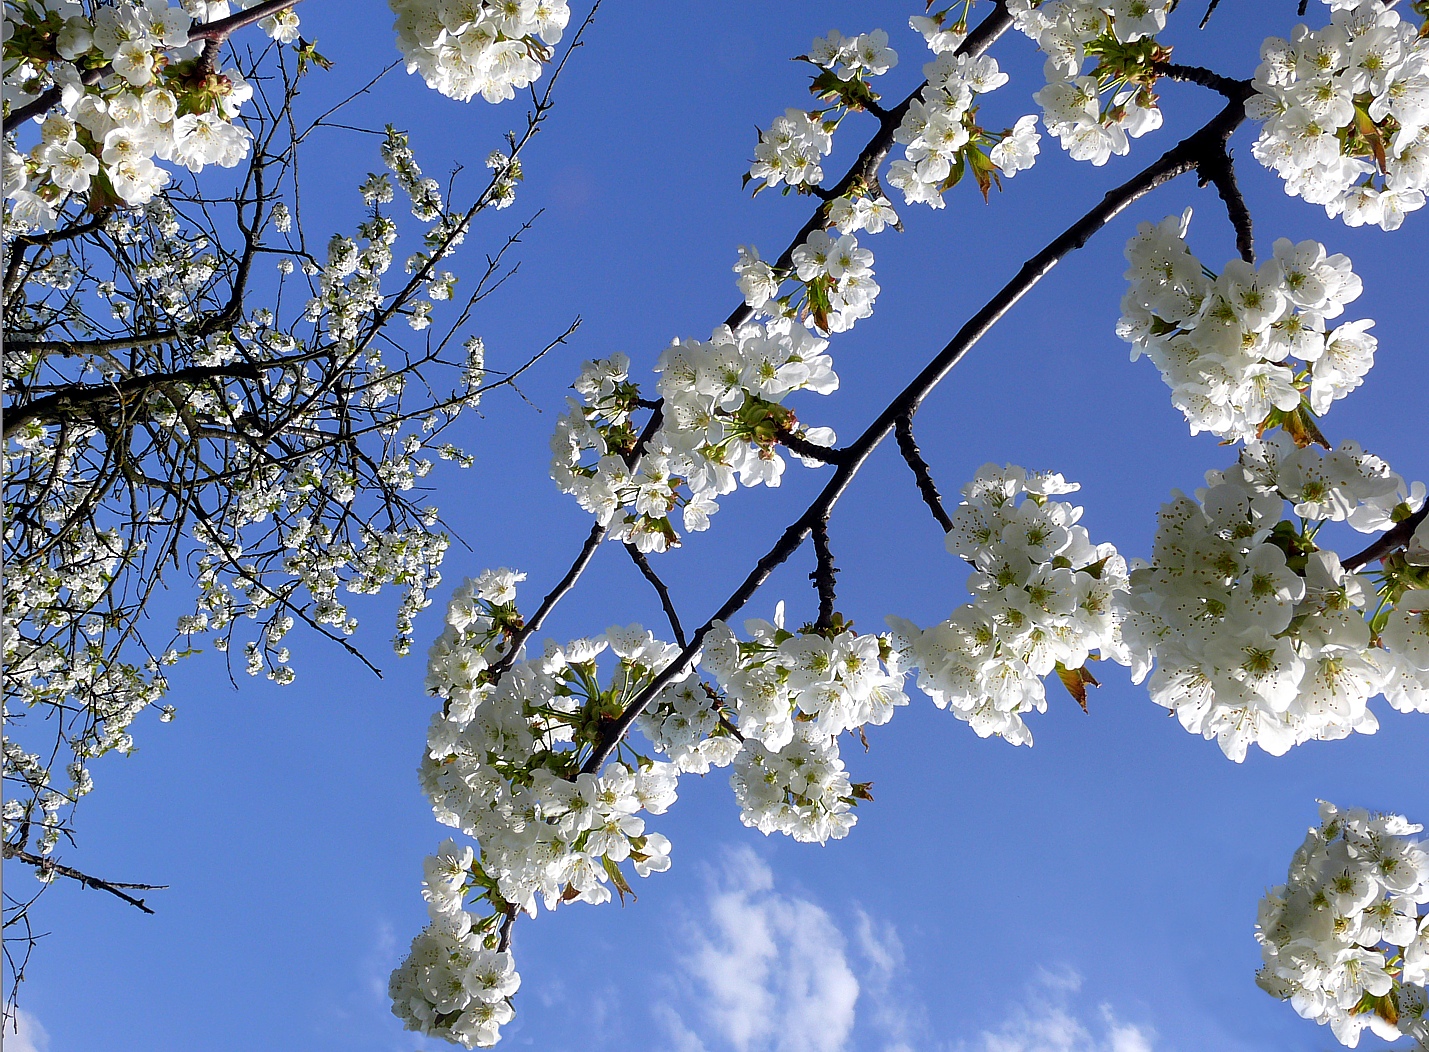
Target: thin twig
583	558
49	865
639	559
908	446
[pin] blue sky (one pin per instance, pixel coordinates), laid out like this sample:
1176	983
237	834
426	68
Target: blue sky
1095	893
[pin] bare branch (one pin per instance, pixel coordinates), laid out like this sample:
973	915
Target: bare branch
638	557
809	450
908	446
1235	90
49	865
825	575
79	397
508	921
1220	171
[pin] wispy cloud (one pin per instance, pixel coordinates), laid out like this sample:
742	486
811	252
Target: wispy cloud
1048	1021
897	1020
23	1033
769	972
764	970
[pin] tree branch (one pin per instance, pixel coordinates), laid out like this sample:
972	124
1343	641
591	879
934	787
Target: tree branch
1220	171
587	552
865	170
59	404
1394	539
508	921
49	865
825	574
638	557
1235	90
908	446
1185	156
810	450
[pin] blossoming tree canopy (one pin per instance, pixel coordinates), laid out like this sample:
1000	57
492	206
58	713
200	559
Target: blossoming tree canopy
170	415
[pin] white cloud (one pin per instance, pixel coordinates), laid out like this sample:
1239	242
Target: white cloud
23	1033
895	1019
1047	1022
768	971
682	1038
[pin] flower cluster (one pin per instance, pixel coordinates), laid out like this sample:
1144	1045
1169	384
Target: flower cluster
157	97
1244	350
1258	633
722	421
942	138
836	287
1346	113
1045	601
503	765
688	724
792	149
1343	939
1121	37
470	47
792	695
454	982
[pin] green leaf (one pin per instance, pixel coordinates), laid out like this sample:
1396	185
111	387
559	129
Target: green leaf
618	879
1076	681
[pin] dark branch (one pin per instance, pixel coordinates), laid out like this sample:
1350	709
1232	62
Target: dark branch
1390	541
908	446
49	865
811	450
639	559
587	552
1220	171
825	575
1210	10
1185	156
508	921
64	234
1235	90
61	404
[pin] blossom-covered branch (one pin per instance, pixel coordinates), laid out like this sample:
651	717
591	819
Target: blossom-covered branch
1186	156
